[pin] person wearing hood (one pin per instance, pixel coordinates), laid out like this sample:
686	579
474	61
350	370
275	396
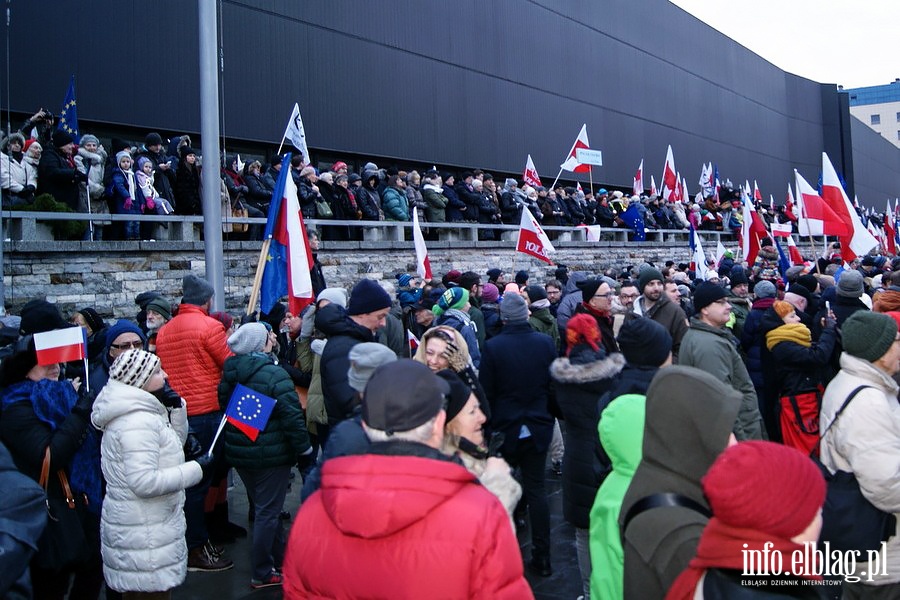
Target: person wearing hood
16	179
689	418
435	200
655	304
367	198
800	369
143	525
427	505
710	346
510	204
741	485
579	378
452	310
125	197
865	439
264	463
540	319
187	183
259	194
43	417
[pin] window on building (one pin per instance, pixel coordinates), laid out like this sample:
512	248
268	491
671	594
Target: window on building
898	117
875	119
898	136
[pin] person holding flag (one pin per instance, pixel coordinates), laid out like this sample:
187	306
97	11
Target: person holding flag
265	436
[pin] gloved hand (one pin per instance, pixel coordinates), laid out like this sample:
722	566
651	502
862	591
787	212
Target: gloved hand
243	189
80	177
207	463
168	397
193	449
29	188
85	403
305	462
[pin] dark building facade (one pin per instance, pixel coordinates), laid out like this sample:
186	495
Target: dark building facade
465	83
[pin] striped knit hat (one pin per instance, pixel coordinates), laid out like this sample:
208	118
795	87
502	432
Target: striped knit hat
134	367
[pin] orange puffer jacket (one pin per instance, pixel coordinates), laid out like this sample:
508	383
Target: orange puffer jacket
192	350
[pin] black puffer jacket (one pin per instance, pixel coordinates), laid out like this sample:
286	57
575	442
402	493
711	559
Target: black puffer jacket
342	333
578	388
801	369
285	437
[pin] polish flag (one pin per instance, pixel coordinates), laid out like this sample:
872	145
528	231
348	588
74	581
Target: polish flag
60	345
637	188
571	163
815	216
530	176
720	252
859	241
653	191
423	266
413	342
698	258
789	205
676	193
757	195
752	231
684	190
890	232
781	229
669	178
578	187
873	229
532	239
794	252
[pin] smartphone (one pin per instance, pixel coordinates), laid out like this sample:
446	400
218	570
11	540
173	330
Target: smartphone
827	306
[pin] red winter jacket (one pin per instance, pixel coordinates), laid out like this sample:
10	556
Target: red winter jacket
402	527
192	350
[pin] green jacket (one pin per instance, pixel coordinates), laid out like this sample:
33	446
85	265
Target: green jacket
622	434
285	437
740	308
542	321
714	350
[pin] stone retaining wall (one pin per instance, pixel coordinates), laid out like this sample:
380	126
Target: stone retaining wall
109	275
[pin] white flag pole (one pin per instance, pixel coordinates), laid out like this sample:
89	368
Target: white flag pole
216	437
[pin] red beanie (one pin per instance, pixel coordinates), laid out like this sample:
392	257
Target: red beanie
895	316
582	329
766	487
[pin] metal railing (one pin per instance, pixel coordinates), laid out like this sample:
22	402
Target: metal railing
35	226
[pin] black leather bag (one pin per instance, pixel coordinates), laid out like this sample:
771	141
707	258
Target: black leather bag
63	545
849	520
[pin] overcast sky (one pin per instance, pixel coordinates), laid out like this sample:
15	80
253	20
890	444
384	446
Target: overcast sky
848	42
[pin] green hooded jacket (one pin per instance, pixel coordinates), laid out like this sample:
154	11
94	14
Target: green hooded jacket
622	433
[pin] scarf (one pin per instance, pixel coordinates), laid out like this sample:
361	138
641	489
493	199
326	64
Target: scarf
792	332
722	546
596	313
145	182
52	402
538	304
129	181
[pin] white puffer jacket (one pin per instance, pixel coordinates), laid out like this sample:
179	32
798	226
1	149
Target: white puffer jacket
142	523
866	442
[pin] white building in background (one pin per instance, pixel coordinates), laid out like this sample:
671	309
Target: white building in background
878	106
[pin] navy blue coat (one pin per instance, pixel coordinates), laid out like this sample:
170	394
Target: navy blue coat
455	206
515	375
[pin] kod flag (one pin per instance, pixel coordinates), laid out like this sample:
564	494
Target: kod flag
249	411
530	175
289	258
296	134
60	345
532	239
571	163
68	116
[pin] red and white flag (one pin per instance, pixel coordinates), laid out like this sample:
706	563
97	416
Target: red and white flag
669	178
752	231
571	163
637	188
781	229
676	193
684	191
413	342
872	228
578	187
423	266
757	195
794	252
60	345
890	231
530	176
771	203
858	241
789	205
653	190
532	239
815	216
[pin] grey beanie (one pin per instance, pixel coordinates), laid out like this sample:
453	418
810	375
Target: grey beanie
196	290
850	284
250	337
513	308
764	289
364	359
335	295
88	139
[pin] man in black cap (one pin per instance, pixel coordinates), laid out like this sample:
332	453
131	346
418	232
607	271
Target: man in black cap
395	508
710	346
57	174
739	298
497	277
655	304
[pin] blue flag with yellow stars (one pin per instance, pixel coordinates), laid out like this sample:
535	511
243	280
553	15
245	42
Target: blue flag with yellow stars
632	218
68	118
249	411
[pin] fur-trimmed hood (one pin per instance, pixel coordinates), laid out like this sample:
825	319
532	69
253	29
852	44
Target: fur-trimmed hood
563	370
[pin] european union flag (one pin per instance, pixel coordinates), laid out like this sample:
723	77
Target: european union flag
249	411
632	218
783	263
68	118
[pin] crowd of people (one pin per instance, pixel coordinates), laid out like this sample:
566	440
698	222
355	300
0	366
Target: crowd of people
677	409
161	177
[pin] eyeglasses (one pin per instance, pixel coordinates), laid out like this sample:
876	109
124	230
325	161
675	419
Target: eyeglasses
721	301
629	295
136	344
